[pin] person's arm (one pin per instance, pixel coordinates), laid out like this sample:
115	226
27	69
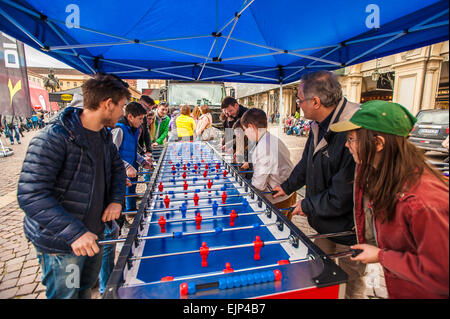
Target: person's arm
146	136
163	131
428	265
261	171
118	177
201	125
117	138
297	179
35	193
337	199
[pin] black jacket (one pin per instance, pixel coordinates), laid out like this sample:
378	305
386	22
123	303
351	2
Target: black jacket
327	169
145	143
56	182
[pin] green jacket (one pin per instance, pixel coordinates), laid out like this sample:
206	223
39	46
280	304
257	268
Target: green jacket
163	126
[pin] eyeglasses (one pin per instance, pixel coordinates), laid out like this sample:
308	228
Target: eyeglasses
298	101
351	140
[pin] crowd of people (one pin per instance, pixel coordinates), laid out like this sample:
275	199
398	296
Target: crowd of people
361	174
13	126
297	125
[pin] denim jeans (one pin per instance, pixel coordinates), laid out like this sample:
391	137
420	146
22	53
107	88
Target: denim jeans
130	202
16	133
109	254
67	276
146	176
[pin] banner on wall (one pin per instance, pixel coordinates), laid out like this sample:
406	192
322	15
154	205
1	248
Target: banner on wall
14	88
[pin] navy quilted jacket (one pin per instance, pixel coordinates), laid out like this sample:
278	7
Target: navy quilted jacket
56	183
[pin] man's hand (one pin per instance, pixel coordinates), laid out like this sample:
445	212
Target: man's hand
148	165
131	172
128	182
245	166
298	209
155	144
279	190
86	245
112	212
369	253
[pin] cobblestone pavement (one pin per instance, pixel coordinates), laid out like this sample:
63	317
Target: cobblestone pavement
20	274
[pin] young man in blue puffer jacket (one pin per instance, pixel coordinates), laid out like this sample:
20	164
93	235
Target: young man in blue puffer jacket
126	137
72	183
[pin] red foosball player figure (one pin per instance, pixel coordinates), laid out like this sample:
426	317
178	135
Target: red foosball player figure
225	173
257	244
160	188
162	224
196	198
204	251
198	220
184	175
233	216
228	268
224	198
205	173
209	185
167	201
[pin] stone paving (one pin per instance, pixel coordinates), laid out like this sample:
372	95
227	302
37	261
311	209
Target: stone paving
20	274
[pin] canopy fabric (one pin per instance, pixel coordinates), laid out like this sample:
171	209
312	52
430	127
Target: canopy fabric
260	41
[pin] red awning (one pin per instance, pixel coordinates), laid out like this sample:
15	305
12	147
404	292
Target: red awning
39	98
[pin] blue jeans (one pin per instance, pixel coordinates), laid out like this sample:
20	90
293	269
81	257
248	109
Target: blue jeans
146	176
109	254
67	276
16	132
130	202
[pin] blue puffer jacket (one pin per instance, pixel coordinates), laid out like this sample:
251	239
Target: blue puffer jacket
56	183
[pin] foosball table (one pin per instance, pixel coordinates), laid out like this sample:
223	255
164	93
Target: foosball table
203	231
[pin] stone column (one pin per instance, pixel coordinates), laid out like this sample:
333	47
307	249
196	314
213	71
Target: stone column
417	78
352	84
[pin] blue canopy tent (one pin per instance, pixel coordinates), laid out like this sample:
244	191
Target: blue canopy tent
259	41
252	41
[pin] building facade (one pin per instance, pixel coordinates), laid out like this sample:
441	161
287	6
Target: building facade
418	79
71	78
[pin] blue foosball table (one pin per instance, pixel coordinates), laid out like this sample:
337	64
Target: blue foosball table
203	231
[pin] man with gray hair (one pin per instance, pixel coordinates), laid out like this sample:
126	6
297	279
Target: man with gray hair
327	169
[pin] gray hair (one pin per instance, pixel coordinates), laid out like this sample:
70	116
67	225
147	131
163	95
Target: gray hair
323	84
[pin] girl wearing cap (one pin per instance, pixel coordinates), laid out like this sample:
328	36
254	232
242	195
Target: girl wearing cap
401	204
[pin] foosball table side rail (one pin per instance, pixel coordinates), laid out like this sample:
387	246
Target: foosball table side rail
331	273
328	284
116	278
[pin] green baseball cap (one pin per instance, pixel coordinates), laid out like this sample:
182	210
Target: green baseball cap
380	116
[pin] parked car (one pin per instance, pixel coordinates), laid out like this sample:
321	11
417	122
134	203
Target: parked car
430	130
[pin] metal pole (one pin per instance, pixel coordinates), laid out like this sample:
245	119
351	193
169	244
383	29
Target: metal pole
281	110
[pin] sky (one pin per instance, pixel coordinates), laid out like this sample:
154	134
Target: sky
36	58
